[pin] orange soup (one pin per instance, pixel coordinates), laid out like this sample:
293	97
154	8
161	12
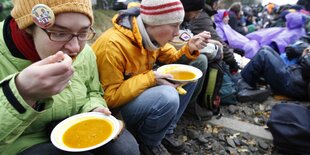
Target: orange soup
87	133
182	75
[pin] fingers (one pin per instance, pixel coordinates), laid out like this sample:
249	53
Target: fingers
67	59
166	76
199	41
57	64
166	82
219	44
162	76
58	69
205	36
62	80
215	42
196	38
59	56
102	110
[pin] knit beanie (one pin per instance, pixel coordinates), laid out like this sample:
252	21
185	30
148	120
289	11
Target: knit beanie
161	12
21	11
193	5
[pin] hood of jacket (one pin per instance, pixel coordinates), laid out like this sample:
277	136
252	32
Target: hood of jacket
218	17
294	20
124	23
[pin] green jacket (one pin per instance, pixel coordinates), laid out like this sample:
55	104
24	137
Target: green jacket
19	131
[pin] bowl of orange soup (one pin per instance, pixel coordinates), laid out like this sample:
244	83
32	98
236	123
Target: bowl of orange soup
181	73
85	131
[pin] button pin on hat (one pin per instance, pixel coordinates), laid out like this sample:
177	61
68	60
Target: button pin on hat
43	16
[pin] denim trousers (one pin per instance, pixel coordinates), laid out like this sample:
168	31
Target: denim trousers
125	144
286	80
267	64
155	112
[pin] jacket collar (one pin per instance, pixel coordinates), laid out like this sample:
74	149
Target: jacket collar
146	40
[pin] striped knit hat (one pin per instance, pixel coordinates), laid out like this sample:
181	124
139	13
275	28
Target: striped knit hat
161	12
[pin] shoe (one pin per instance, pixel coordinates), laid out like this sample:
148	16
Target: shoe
248	95
173	144
153	150
241	85
198	112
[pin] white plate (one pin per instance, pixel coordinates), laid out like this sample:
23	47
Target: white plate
180	67
61	128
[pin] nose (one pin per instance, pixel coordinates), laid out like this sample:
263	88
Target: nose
73	45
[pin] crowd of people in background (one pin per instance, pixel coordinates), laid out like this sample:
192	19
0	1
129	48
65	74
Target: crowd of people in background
259	45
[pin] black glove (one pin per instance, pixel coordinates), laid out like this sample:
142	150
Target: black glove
291	53
295	50
239	51
233	68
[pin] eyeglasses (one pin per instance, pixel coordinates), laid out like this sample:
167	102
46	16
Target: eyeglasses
60	36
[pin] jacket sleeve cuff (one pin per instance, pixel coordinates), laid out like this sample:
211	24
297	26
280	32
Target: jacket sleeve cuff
17	105
92	104
189	55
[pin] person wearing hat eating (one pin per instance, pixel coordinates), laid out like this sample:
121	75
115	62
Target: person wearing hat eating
48	73
126	55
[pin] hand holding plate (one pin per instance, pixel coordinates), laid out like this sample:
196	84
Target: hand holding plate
162	79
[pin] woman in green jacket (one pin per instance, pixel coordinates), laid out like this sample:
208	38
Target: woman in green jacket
49	73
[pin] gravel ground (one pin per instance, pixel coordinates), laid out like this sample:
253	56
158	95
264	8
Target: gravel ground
202	138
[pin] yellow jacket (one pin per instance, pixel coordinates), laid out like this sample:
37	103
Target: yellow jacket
125	66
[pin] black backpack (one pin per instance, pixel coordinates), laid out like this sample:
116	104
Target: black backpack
289	125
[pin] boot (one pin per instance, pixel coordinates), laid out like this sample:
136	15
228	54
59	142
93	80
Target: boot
153	150
173	144
246	93
241	85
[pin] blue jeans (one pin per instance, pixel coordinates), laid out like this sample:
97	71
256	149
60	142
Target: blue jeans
125	144
155	112
268	64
